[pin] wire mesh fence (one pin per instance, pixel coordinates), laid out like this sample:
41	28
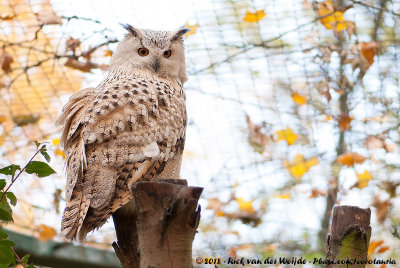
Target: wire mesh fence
277	92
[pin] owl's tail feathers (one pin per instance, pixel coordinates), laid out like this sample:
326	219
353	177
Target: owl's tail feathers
74	215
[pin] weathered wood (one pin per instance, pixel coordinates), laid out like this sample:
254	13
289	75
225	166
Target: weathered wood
126	247
349	236
162	229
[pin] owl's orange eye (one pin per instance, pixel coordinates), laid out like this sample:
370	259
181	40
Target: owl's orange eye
143	51
167	53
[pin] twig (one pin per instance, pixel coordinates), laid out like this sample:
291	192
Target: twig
20	172
17	257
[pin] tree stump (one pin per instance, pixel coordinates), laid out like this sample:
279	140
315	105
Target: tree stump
349	236
161	232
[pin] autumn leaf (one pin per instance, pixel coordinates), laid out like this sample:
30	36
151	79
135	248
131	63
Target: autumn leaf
257	136
108	53
316	193
23	120
333	19
286	134
6	60
283	196
6	17
216	205
299	99
192	28
382	249
368	51
246	206
350	158
373	245
382	209
59	152
2	119
46	232
254	17
299	166
72	44
373	142
344	122
363	179
56	142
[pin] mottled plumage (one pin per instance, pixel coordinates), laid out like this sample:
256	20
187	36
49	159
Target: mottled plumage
129	128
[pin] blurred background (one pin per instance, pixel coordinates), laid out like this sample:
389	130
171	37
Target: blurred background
293	108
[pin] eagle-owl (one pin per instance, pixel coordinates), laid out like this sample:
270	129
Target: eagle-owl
130	128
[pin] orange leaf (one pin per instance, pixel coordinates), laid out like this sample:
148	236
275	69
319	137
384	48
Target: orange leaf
316	192
350	158
344	122
373	245
369	50
299	99
286	134
299	166
245	205
254	17
382	249
60	152
215	204
2	119
46	232
108	53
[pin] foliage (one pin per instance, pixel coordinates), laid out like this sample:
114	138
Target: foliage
8	199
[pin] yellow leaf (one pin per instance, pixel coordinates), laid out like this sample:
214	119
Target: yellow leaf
299	99
350	158
108	53
300	166
192	28
254	17
56	142
331	18
363	179
46	232
283	196
328	118
286	134
60	152
245	205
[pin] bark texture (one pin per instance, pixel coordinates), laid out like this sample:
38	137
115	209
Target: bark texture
161	232
349	236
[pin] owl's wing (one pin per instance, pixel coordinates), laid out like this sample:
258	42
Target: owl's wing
124	132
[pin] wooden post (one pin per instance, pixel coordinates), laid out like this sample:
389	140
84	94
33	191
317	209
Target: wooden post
349	236
161	232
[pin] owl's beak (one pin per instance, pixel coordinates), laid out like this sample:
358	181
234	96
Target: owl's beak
155	64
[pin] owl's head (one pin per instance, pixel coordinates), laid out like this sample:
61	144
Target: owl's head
160	52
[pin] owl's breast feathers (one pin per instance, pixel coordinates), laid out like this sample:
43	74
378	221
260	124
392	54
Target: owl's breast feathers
126	130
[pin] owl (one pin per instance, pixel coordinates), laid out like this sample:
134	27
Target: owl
129	128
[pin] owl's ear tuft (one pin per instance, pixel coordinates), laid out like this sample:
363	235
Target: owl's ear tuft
179	34
132	31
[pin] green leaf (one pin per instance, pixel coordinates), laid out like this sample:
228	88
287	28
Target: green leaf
46	156
6	256
5	210
12	198
25	259
10	170
2	184
6	243
30	266
37	144
3	234
41	169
